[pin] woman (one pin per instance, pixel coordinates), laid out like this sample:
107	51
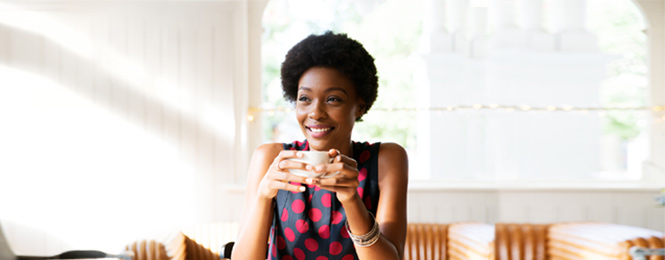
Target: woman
357	209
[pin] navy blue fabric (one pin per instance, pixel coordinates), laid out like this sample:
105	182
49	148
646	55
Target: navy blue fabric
310	224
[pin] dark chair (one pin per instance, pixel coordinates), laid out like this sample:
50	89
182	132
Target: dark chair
227	248
6	253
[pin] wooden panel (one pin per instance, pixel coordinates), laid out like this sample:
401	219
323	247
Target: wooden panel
633	208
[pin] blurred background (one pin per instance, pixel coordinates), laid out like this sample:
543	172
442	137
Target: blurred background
120	122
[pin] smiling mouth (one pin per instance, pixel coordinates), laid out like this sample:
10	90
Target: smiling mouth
320	130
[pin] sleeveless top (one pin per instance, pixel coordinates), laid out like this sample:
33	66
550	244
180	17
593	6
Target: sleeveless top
311	224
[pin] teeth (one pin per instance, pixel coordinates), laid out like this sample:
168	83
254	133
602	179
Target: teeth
319	130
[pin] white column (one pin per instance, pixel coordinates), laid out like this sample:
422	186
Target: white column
478	27
531	20
654	14
436	34
508	33
460	21
569	17
530	14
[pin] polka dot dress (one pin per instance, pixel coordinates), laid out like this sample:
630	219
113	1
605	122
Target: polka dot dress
310	224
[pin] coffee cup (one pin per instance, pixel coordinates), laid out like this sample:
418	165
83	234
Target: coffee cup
313	158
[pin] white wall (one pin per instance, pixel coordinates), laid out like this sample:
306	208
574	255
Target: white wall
122	119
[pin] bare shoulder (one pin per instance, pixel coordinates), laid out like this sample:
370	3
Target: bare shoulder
263	157
269	150
393	161
392	149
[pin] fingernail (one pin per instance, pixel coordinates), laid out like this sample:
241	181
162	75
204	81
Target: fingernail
309	180
302	188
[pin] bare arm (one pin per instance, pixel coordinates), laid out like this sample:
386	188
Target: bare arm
391	210
266	176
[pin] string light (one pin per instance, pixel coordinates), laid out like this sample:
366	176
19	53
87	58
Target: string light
601	111
567	108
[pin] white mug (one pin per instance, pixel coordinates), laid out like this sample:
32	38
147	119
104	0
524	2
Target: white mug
313	158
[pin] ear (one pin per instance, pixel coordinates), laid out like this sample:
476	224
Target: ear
361	109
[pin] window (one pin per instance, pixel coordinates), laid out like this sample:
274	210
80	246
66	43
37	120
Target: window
489	91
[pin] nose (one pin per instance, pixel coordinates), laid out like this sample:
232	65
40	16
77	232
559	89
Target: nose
317	111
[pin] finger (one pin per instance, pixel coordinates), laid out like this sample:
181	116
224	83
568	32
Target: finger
346	160
285	176
286	186
329	175
334	152
289	164
286	154
345	169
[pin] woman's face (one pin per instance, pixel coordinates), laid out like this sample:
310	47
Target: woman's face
326	107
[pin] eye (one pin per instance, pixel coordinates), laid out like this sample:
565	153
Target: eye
334	99
303	98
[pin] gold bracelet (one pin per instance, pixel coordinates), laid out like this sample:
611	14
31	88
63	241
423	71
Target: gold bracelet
367	239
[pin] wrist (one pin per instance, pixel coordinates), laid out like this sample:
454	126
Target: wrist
353	198
263	199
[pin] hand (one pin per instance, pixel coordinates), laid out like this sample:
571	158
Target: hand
278	176
343	172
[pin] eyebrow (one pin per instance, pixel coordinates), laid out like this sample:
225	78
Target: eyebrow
327	90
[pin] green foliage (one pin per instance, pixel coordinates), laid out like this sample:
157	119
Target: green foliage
620	30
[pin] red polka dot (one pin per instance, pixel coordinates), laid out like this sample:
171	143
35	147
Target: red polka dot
310	198
343	232
315	214
321	258
289	234
302	226
335	248
364	156
324	231
317	188
326	200
285	215
300	255
311	244
348	257
360	191
362	174
281	243
274	251
337	217
286	257
298	206
368	202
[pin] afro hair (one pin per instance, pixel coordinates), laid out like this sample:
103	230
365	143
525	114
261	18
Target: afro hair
336	51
